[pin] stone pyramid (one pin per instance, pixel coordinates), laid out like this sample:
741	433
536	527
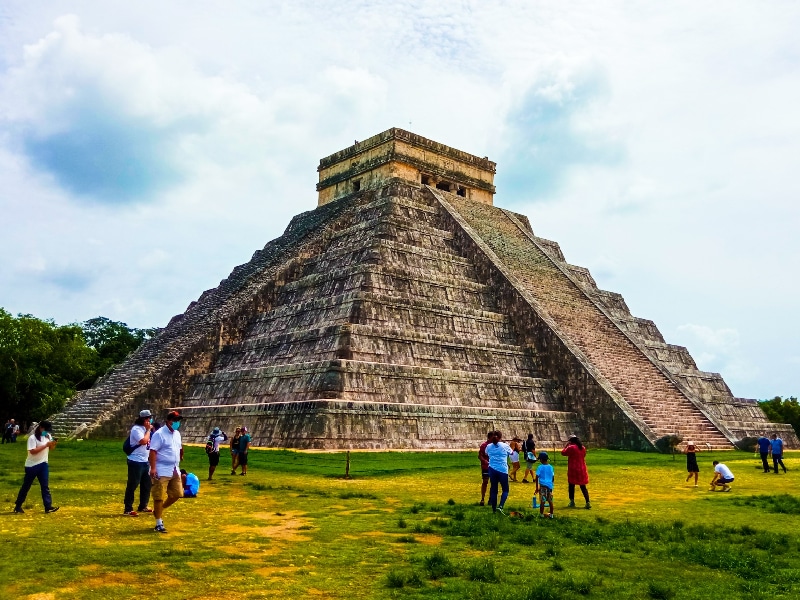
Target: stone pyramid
407	311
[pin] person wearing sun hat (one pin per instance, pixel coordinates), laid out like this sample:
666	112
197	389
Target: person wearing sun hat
166	454
215	438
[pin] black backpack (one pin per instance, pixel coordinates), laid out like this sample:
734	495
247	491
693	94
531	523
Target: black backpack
127	448
210	444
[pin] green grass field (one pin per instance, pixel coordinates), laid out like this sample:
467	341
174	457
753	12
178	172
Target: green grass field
407	525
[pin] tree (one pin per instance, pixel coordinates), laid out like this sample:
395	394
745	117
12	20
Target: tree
41	365
779	410
113	341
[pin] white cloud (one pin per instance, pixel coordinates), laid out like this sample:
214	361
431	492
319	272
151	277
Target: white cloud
656	143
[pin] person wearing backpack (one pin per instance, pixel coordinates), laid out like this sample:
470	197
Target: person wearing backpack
215	438
529	452
137	449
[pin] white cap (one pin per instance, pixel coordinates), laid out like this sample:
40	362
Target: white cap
145	413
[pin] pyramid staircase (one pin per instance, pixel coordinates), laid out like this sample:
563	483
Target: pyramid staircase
387	328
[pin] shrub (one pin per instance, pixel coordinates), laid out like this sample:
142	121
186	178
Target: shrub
659	591
401	523
438	565
395	579
482	570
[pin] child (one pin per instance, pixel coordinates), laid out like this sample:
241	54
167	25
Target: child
691	462
514	459
545	475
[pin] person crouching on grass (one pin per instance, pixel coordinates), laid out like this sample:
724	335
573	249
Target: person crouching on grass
166	454
545	476
723	476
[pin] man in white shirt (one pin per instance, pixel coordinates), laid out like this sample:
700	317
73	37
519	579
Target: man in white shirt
723	476
138	466
166	454
215	438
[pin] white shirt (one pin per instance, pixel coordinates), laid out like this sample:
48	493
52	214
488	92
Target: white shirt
217	441
39	457
724	471
140	452
498	456
167	445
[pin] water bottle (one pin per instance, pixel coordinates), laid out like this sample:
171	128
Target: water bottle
533	502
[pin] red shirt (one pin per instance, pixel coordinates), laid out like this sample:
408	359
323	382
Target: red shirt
483	457
576	465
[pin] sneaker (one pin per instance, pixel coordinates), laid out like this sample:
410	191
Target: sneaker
500	508
726	488
233	472
131	513
145	510
551	516
481	503
18	510
571	505
525	481
52	509
242	474
588	505
160	529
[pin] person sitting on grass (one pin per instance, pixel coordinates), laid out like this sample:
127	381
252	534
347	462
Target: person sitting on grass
545	476
191	484
723	476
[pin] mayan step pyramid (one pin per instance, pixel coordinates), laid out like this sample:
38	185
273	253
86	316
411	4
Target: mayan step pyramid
407	311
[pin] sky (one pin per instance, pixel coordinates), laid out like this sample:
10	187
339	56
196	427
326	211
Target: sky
147	148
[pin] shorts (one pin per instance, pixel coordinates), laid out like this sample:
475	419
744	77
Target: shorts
164	488
545	495
529	464
234	452
243	459
724	480
213	459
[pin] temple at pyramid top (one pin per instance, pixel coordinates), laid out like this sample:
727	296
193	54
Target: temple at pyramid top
397	153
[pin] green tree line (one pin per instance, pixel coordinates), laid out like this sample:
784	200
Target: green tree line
43	364
783	410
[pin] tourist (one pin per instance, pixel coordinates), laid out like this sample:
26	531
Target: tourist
529	453
498	453
691	462
139	466
244	449
190	483
576	469
484	465
723	477
215	438
235	450
515	447
7	429
777	453
544	478
166	454
14	432
764	450
36	466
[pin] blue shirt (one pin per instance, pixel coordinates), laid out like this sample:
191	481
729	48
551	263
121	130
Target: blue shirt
192	485
763	445
498	456
545	475
777	446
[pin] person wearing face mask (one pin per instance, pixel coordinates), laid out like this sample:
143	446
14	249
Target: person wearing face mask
138	467
36	467
166	454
